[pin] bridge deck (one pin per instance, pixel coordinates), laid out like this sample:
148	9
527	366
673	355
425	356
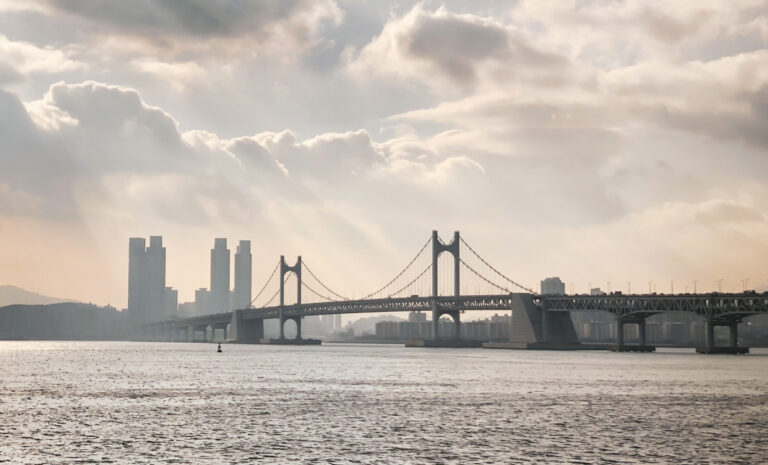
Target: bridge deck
715	306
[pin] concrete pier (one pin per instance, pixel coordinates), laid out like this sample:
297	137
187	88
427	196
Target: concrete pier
633	348
291	342
543	346
442	343
733	342
722	350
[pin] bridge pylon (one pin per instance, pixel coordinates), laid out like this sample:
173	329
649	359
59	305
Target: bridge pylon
285	269
438	247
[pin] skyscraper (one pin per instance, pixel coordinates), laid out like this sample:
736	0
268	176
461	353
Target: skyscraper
243	273
146	279
219	276
137	278
155	270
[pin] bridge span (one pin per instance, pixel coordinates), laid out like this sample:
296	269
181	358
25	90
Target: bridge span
538	321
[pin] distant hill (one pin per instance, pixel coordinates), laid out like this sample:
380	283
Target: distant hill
62	321
12	295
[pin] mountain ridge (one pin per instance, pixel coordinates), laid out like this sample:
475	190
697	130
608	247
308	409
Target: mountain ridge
12	295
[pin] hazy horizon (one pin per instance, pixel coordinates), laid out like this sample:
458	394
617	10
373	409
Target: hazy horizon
598	142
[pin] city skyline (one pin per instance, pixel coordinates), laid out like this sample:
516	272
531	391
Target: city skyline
564	141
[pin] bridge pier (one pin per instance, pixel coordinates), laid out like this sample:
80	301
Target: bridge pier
733	342
295	319
298	340
166	332
733	329
196	330
621	346
219	326
245	331
455	316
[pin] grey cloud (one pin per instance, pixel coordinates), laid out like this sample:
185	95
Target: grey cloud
455	44
188	18
458	47
178	25
670	29
8	74
747	125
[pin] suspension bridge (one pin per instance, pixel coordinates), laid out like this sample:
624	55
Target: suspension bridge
432	282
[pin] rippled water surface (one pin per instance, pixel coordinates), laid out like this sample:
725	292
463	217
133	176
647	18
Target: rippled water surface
101	402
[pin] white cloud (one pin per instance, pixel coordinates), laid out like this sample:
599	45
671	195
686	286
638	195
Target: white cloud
27	58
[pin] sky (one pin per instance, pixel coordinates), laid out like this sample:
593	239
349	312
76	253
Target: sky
621	142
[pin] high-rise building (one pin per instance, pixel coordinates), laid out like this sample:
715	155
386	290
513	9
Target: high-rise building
146	279
202	301
552	286
171	303
155	263
219	277
137	278
241	298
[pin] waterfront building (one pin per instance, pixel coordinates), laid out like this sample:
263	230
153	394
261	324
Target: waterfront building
171	303
137	278
186	310
417	317
552	286
220	271
241	296
202	301
146	279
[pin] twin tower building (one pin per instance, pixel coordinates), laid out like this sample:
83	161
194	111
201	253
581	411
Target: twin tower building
149	299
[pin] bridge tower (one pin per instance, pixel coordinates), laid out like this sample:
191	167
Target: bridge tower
285	269
438	247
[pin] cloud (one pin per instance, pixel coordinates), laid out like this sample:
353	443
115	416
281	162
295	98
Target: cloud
727	212
101	144
226	26
455	48
23	58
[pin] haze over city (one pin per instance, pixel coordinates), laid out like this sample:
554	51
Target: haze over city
555	135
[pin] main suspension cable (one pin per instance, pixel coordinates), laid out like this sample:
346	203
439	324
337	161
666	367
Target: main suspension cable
304	265
413	281
494	269
285	280
483	277
309	288
265	284
401	272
